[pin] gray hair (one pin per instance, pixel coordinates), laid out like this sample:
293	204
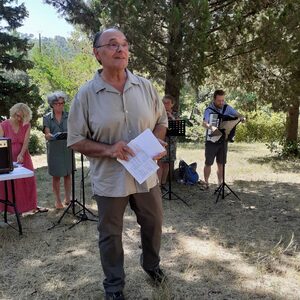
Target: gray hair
98	35
53	97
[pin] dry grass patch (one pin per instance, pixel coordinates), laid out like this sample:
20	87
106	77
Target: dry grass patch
234	249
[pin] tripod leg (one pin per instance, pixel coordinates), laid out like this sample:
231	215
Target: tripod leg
86	209
179	198
73	180
71	204
169	191
83	191
233	192
220	191
223	170
169	175
223	190
76	223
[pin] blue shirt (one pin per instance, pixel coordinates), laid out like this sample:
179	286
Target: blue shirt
229	111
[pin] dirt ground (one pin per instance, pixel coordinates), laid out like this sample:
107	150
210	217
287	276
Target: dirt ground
233	249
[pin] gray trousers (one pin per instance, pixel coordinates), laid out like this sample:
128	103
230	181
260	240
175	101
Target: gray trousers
148	210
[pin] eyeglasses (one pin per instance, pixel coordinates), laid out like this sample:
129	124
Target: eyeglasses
115	46
58	103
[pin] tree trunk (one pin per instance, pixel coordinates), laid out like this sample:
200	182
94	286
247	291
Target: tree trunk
173	83
292	124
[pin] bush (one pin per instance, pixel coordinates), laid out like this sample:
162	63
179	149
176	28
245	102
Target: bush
284	149
261	127
37	143
195	133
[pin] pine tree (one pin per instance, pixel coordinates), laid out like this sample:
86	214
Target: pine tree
172	41
182	41
15	85
272	71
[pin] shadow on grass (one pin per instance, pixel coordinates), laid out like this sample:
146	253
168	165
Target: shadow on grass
260	231
278	164
209	251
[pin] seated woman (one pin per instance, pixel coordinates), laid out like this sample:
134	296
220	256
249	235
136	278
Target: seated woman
58	155
17	128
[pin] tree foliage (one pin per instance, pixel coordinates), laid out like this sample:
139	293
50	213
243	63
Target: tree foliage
15	85
250	43
272	71
173	41
62	65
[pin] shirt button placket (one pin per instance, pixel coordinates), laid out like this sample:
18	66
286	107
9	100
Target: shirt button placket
126	115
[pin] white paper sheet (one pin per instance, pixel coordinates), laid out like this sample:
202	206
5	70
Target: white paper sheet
145	146
148	143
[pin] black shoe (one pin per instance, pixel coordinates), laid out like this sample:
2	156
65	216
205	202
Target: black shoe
157	275
114	296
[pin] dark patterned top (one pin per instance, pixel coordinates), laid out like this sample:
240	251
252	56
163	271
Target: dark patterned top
172	141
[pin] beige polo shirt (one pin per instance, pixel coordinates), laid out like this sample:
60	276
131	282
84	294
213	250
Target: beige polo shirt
101	113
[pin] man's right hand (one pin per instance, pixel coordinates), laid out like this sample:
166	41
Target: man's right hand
213	128
120	150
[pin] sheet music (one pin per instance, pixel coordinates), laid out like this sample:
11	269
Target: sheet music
148	142
145	146
229	125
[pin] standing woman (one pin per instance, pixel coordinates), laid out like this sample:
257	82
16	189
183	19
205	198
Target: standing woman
58	155
17	128
163	171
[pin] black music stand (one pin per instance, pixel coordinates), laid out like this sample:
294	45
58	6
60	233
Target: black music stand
220	191
175	128
81	214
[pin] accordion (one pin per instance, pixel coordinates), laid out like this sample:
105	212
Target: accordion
214	120
6	160
226	128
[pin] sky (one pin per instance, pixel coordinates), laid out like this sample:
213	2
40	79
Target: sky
44	19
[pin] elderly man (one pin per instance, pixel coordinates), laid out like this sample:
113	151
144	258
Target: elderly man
107	112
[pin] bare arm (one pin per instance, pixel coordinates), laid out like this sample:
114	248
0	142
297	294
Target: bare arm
160	132
94	149
243	119
1	131
48	135
205	125
118	150
208	126
20	157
